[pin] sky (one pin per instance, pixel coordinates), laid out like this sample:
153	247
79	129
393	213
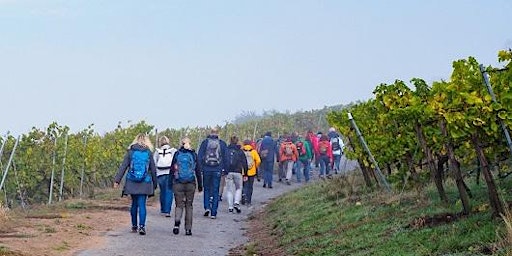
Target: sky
181	64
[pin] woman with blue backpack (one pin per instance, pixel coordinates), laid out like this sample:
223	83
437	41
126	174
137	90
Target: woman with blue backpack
141	181
186	176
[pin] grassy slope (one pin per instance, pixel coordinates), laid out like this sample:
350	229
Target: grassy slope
338	218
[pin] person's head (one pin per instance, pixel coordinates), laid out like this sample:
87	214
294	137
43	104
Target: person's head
163	141
247	142
233	140
332	129
214	131
142	140
324	137
186	143
268	134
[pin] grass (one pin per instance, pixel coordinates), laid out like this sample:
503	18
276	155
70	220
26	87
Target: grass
339	217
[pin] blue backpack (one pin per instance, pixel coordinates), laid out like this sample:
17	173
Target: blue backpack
186	167
139	166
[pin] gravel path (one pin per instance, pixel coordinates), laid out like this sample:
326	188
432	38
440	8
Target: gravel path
209	236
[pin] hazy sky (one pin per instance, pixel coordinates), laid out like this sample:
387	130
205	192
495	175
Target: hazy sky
197	63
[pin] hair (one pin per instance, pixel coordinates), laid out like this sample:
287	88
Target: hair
186	143
143	140
233	139
163	141
247	142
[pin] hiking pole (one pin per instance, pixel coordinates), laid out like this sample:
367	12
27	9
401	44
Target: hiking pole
367	149
485	76
9	162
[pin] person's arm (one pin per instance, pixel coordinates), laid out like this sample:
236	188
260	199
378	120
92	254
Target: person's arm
256	157
199	175
122	169
152	170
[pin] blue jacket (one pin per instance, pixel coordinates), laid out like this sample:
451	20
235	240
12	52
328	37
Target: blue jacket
201	155
268	144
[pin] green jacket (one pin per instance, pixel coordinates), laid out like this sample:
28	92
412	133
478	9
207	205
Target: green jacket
309	150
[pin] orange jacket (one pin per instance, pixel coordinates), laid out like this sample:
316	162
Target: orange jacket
282	154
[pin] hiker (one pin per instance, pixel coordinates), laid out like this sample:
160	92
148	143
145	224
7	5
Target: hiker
253	162
325	156
281	173
211	163
235	169
141	180
186	176
287	157
305	152
313	140
337	149
163	158
267	152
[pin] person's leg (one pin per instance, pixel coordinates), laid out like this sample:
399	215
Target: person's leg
165	194
215	194
133	211
307	169
237	180
190	189
179	193
337	160
248	193
221	186
299	169
207	190
142	209
289	168
327	165
268	172
322	168
229	190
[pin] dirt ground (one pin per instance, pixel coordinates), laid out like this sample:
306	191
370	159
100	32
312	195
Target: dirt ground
62	229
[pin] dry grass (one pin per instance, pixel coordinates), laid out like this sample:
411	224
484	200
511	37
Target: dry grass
4	213
505	242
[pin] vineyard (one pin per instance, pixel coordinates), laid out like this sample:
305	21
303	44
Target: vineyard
53	164
457	129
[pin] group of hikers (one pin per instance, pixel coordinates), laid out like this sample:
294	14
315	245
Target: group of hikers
219	166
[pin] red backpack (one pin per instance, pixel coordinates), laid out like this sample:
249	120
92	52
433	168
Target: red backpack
323	146
300	148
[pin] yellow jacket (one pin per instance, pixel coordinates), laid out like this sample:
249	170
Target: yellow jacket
255	159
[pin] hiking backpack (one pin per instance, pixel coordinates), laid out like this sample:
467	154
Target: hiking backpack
250	159
323	146
232	158
301	148
288	150
165	158
139	165
186	167
212	155
335	143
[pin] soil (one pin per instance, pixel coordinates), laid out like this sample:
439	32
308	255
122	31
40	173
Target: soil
59	230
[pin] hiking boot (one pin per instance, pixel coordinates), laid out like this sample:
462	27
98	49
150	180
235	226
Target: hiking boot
220	197
188	232
142	230
230	210
134	229
213	217
176	229
269	186
264	185
237	208
288	182
207	212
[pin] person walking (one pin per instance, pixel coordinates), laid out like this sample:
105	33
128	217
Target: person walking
305	151
337	148
163	159
288	155
211	161
141	180
325	156
236	167
253	162
186	176
268	152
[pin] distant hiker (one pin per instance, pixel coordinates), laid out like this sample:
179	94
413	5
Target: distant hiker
313	140
259	173
186	176
325	156
268	152
235	169
141	180
253	162
163	159
287	157
211	162
337	148
305	151
281	172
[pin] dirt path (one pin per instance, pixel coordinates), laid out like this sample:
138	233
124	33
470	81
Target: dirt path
209	237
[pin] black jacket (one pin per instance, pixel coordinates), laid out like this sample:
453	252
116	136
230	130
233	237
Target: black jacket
240	165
